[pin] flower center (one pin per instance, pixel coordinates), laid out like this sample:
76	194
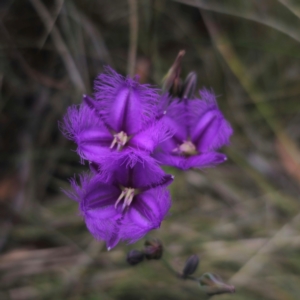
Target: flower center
186	148
120	139
127	194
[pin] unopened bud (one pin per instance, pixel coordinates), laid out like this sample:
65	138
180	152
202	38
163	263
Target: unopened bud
134	257
172	82
176	88
153	249
212	284
190	265
189	86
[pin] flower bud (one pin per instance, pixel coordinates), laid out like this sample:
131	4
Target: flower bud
189	86
134	257
190	265
172	82
153	249
212	284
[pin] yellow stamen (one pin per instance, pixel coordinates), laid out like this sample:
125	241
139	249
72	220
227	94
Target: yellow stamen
186	148
127	194
120	139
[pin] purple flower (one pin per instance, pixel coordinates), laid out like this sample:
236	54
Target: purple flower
122	119
199	130
131	202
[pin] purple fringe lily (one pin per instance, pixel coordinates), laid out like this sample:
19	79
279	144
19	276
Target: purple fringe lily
122	120
124	207
199	130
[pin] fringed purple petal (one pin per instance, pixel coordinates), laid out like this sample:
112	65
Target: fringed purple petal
125	105
201	161
92	193
76	193
81	125
152	135
153	204
145	214
126	111
168	146
136	171
177	118
104	229
97	205
166	180
169	159
115	160
205	160
115	237
211	131
99	195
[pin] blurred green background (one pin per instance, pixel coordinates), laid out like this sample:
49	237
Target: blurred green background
242	218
